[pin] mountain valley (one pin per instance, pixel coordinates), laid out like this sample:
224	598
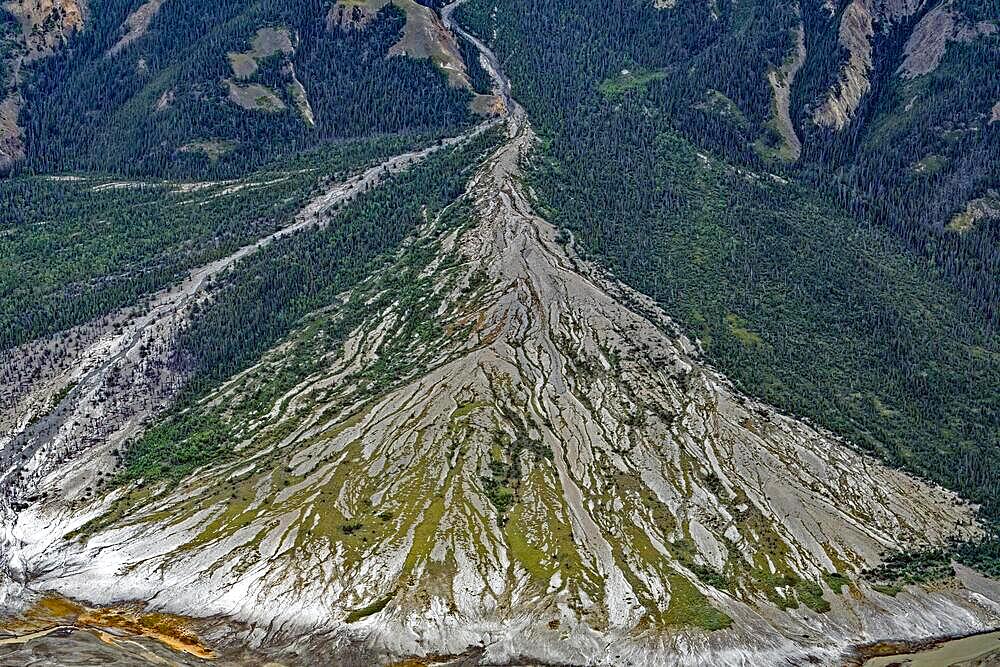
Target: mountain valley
540	384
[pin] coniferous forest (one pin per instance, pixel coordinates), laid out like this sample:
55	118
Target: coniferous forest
160	107
821	218
836	287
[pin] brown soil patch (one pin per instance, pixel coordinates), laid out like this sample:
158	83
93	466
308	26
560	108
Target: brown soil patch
108	622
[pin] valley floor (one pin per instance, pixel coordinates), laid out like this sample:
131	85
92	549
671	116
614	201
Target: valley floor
513	458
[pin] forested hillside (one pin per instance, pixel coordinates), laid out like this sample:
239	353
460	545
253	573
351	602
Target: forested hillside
181	88
797	292
255	105
576	332
80	247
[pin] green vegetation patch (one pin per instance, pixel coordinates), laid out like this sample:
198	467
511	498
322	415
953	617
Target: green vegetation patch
910	568
716	102
505	470
371	609
738	328
173	449
254	97
930	165
811	595
690	608
836	581
628	81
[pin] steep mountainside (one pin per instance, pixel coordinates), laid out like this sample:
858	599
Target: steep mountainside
489	445
183	88
802	293
29	31
400	384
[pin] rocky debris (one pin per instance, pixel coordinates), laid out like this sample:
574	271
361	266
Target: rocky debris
11	134
298	93
781	81
551	472
855	35
927	43
511	451
892	11
995	113
136	24
164	101
66	418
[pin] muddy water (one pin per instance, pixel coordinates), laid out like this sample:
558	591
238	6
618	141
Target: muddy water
57	631
976	651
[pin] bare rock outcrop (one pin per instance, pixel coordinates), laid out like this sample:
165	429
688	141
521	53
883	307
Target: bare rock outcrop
137	24
856	31
926	45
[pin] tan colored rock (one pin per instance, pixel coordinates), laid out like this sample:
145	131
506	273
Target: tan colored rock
424	36
46	24
781	81
137	24
856	32
353	15
926	46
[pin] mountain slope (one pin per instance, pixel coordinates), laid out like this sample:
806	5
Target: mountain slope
508	451
797	290
193	89
411	422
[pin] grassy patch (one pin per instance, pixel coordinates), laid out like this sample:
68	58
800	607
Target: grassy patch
266	43
930	165
374	608
739	328
627	81
689	608
254	97
811	595
836	581
717	103
213	149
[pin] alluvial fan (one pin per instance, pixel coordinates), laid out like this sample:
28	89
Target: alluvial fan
498	452
512	453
